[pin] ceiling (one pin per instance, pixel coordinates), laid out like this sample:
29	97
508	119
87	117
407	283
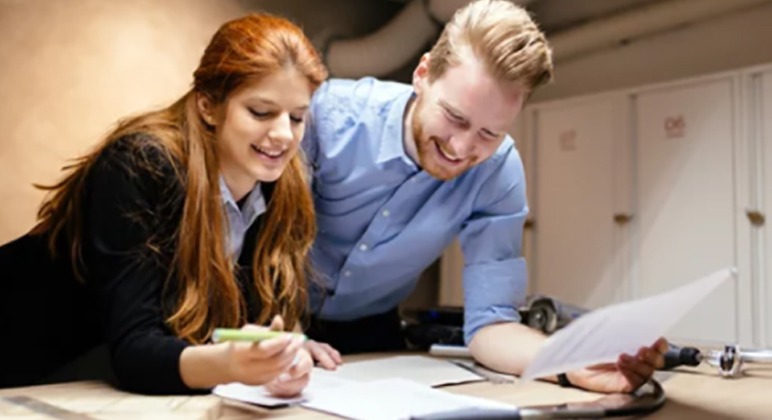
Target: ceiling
557	15
341	19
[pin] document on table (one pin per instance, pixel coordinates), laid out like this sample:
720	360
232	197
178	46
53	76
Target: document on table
602	335
421	369
394	399
320	380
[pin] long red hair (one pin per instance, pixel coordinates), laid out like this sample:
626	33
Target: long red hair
207	293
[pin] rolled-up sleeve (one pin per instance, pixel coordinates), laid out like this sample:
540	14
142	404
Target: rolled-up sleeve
495	274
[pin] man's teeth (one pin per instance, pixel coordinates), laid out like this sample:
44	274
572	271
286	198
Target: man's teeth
447	155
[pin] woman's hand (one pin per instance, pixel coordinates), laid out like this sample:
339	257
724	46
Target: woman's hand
262	362
325	354
292	382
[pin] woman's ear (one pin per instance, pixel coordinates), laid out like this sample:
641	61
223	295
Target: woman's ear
206	109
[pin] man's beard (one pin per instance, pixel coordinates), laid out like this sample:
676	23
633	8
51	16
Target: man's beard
426	149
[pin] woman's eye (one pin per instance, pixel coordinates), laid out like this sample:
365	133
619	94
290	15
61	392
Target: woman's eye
259	114
296	119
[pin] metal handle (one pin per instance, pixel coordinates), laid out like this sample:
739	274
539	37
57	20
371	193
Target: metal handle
622	218
756	217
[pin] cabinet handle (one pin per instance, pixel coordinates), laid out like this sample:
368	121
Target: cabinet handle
622	219
756	217
528	224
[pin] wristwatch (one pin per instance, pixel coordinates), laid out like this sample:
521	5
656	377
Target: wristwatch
563	381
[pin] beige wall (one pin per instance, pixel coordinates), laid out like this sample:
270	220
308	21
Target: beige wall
71	68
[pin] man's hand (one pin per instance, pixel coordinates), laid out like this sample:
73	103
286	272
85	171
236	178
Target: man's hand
626	375
324	354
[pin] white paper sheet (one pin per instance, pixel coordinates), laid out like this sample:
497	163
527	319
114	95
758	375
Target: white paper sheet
320	380
421	369
602	335
393	399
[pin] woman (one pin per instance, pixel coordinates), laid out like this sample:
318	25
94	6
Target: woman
183	220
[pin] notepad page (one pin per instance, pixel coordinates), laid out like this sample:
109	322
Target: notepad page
391	399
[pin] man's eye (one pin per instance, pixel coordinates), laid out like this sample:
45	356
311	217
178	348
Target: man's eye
487	135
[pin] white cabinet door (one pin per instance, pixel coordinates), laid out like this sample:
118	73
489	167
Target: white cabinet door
580	183
685	196
763	123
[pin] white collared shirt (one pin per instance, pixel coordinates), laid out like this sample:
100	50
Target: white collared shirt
240	219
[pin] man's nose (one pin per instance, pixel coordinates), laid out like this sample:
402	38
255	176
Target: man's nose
461	144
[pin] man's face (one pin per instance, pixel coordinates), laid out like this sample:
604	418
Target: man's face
461	118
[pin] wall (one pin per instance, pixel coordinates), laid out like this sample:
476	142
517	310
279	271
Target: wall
71	68
736	40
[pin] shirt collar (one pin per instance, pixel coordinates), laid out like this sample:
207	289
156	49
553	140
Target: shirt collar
253	206
392	143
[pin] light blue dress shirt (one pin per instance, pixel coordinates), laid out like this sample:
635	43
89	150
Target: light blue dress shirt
240	219
382	220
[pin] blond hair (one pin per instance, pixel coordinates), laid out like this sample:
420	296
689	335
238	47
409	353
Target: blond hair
503	36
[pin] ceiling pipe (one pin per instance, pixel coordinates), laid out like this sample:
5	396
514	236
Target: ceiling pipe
390	47
386	49
640	22
418	23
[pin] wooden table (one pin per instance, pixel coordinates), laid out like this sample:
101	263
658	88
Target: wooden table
691	394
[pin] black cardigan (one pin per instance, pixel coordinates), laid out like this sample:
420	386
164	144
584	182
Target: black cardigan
48	318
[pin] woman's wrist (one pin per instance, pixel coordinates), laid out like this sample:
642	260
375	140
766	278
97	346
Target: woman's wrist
205	366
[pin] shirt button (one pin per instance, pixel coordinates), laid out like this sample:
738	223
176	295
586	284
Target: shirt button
347	273
363	247
386	213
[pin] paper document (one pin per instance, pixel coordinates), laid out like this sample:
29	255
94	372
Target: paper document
602	335
320	380
393	399
421	369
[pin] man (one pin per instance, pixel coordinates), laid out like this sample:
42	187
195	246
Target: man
399	171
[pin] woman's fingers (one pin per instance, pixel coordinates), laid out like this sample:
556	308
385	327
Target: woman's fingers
328	357
272	347
277	323
301	365
289	387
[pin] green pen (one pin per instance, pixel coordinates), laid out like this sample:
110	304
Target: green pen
233	334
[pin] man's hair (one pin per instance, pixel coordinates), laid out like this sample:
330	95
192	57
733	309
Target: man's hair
503	36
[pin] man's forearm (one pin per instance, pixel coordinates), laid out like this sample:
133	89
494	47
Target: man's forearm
506	347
